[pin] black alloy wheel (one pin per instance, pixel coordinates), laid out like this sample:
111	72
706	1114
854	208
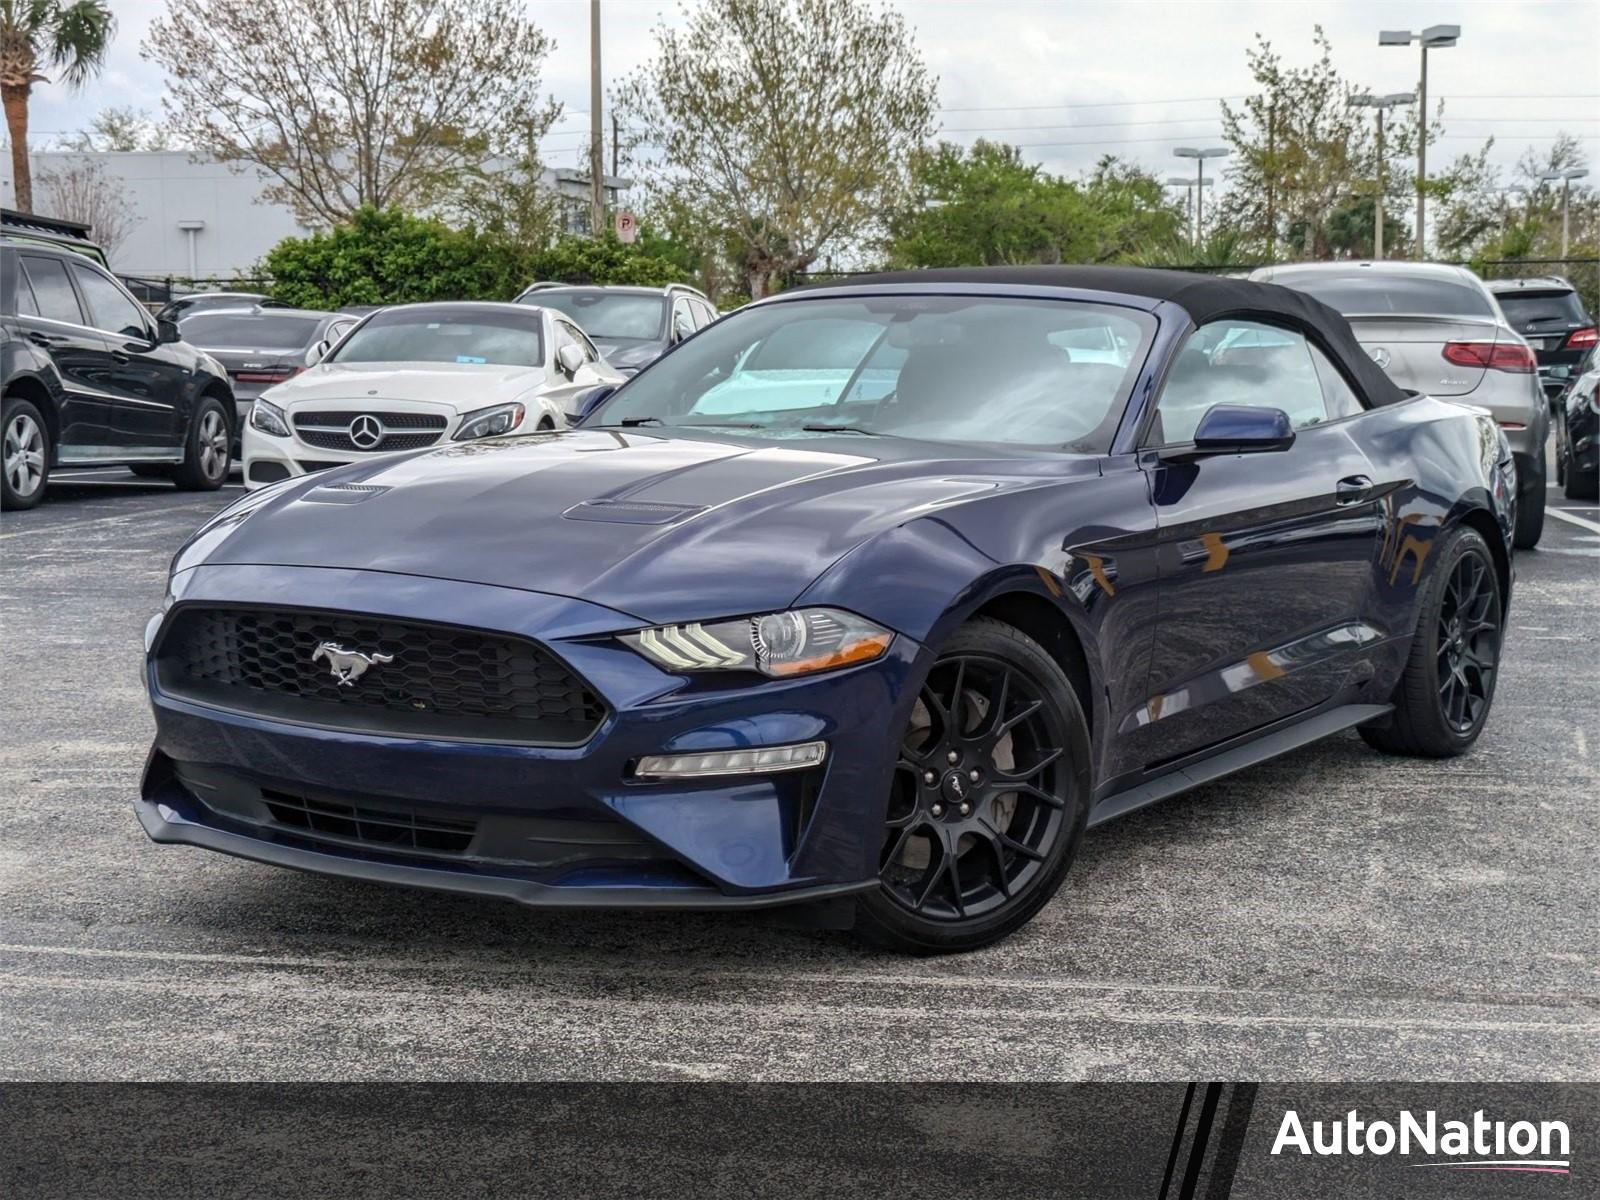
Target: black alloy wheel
1468	640
1445	691
988	798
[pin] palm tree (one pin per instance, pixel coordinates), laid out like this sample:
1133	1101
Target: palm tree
45	33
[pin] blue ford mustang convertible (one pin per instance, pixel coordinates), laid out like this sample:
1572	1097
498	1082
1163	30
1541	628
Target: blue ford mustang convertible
878	594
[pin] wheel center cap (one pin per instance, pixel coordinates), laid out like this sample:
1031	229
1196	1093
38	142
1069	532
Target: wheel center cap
956	788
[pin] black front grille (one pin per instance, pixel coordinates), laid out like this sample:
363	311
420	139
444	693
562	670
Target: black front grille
423	679
330	430
397	829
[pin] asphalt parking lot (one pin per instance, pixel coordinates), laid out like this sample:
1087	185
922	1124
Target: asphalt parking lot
1332	915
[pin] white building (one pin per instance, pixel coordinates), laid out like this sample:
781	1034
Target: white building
197	218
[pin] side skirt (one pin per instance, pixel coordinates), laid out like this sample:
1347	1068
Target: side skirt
1237	758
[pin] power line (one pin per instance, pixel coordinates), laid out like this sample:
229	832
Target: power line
1220	99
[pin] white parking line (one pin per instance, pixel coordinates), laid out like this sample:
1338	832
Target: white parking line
1581	522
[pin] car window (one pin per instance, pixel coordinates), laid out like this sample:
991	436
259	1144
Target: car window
1363	292
110	308
615	316
1238	362
52	290
248	331
938	368
1338	396
1532	310
465	335
704	312
567	333
682	320
27	306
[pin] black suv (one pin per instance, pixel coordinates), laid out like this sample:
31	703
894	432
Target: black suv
91	379
630	326
1545	309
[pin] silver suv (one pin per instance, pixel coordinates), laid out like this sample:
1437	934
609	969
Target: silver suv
1437	329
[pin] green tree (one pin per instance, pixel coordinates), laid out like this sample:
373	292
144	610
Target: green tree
391	257
39	34
784	126
121	128
605	260
984	206
1300	150
345	104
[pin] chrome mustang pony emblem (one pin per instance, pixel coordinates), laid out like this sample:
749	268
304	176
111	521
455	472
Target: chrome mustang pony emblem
348	665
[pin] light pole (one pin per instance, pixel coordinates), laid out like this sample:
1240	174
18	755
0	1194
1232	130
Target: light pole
1382	104
1566	178
1434	37
597	156
1200	180
1188	186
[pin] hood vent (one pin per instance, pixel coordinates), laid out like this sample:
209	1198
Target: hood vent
343	493
631	512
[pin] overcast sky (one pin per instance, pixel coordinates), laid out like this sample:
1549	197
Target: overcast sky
1131	77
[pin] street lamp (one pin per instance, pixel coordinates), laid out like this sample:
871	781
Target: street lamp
1383	104
1200	180
1434	37
1188	186
1566	178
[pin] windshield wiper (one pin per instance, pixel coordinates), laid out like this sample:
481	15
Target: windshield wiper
634	422
824	428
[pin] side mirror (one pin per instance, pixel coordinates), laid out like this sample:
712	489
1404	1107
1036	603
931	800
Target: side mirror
167	332
586	402
570	359
316	353
1243	429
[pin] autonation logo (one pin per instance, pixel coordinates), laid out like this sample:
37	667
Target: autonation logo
1477	1145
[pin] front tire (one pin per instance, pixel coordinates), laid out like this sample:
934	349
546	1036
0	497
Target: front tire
25	447
1444	695
207	450
989	798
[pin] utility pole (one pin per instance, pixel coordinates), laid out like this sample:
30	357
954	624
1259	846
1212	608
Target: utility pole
597	156
1382	104
1435	37
616	144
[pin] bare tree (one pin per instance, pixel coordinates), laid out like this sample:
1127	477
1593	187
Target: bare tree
121	128
81	190
346	103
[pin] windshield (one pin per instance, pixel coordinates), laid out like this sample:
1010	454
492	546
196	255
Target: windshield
615	316
1376	293
248	331
437	335
1533	309
1041	373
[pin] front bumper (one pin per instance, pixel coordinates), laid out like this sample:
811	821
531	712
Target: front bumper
727	842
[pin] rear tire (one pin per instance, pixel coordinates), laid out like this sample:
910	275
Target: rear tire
25	447
1445	693
207	450
999	731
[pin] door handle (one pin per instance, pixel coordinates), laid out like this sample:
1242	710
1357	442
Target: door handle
1352	489
45	339
120	356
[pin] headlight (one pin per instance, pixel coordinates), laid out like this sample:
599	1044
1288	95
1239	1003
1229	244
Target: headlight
486	422
797	642
268	418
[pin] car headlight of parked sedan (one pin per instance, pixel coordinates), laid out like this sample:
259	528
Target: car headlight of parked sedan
488	422
267	417
797	642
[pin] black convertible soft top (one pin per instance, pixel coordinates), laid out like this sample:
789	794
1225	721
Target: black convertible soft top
1204	297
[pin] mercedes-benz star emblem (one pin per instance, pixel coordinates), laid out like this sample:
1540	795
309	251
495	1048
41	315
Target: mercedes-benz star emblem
366	431
1380	356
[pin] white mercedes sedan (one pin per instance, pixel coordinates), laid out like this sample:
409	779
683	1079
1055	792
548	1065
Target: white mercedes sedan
420	375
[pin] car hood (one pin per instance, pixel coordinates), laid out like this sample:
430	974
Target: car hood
466	385
628	354
663	528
